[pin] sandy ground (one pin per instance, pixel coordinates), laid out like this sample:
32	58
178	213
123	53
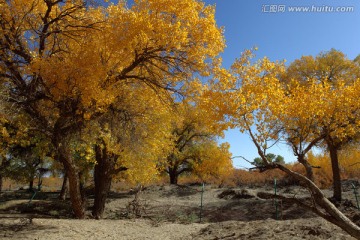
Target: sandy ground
171	212
313	228
95	229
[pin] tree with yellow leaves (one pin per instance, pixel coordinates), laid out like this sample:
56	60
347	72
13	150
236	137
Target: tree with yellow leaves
260	104
64	63
213	161
23	152
131	138
335	79
192	130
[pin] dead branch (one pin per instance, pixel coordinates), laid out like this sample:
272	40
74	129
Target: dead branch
321	205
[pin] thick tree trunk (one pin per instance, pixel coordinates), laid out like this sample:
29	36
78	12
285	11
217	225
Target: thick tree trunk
64	187
103	173
323	207
335	171
1	183
173	175
102	187
101	191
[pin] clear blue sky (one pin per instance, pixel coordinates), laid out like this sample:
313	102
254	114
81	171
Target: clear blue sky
280	33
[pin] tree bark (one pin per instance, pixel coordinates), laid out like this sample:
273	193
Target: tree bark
102	187
4	164
103	174
64	187
173	175
1	183
31	185
77	203
307	166
72	171
102	181
337	195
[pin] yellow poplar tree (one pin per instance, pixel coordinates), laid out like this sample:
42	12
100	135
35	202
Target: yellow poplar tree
65	63
337	78
260	104
130	137
191	127
306	108
214	162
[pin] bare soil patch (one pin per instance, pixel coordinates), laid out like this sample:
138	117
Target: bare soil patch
172	212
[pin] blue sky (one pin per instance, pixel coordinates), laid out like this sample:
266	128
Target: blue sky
283	35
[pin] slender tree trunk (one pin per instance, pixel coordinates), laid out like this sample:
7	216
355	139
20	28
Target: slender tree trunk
335	171
76	198
82	189
1	183
78	205
4	164
72	171
308	167
64	187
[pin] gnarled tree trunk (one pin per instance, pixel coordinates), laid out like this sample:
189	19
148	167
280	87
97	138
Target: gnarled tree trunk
103	174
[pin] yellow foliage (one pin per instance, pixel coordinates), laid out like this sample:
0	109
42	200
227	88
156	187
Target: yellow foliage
83	62
215	162
348	161
94	62
273	103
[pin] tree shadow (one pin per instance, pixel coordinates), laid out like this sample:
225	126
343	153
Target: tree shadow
21	229
25	194
254	209
41	208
